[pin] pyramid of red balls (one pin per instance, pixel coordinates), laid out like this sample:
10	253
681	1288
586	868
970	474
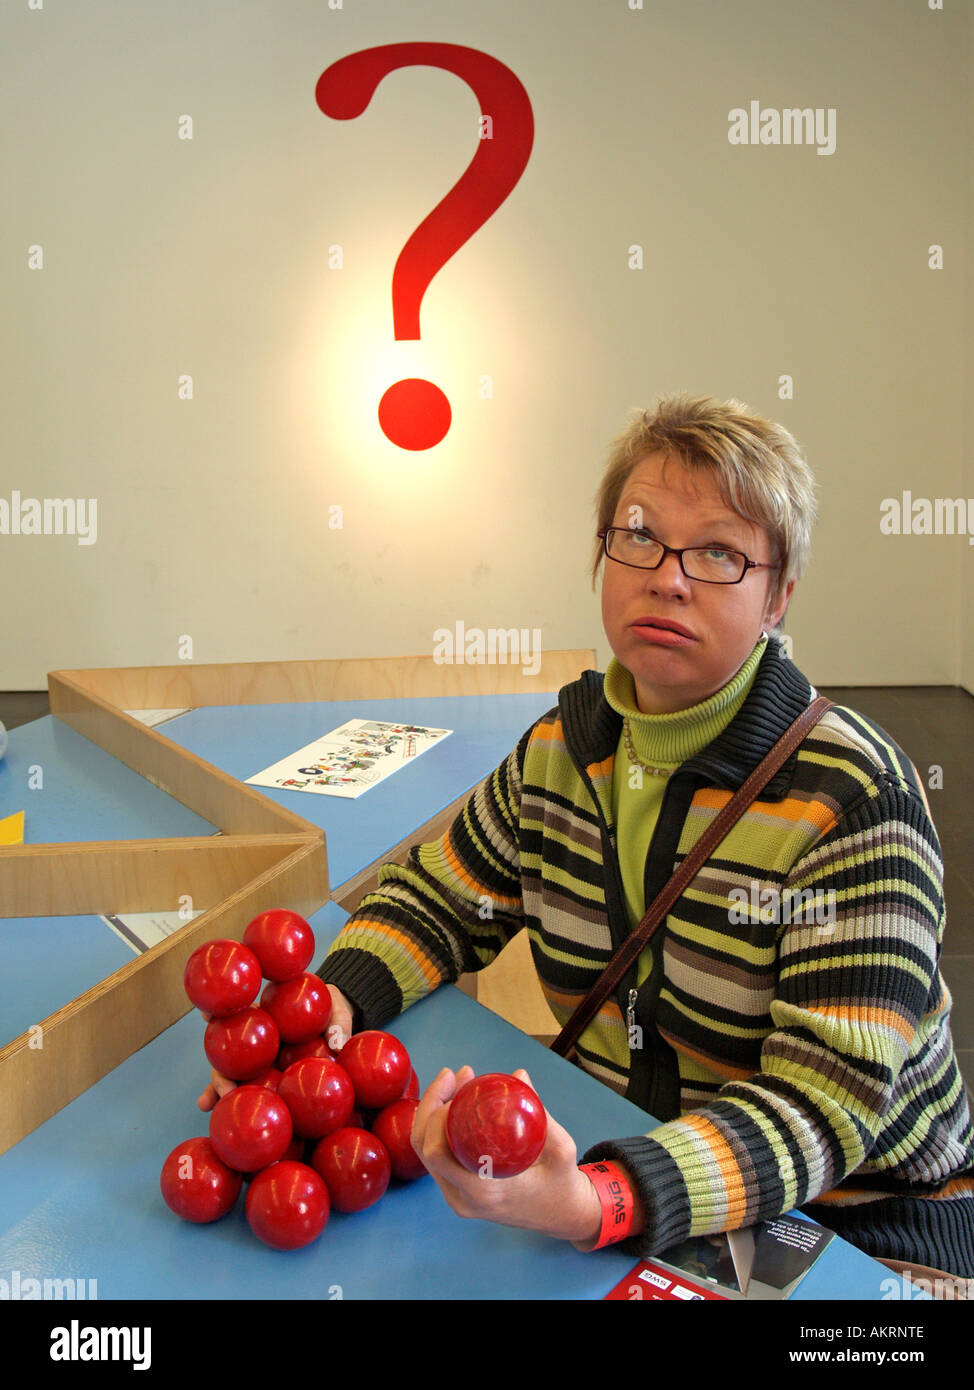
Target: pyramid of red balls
307	1129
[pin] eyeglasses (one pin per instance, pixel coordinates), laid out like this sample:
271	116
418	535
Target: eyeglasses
710	564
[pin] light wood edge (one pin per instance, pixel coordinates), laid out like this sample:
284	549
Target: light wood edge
98	1030
509	987
212	794
113	876
189	685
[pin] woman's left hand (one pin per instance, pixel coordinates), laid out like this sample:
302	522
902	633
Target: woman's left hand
552	1196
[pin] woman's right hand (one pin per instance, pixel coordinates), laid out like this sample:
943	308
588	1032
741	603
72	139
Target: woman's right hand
337	1033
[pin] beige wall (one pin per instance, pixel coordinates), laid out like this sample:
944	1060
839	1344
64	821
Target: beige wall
208	256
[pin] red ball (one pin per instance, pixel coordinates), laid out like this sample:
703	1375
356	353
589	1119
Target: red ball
288	1205
282	941
222	977
250	1127
300	1007
243	1044
295	1151
319	1095
496	1125
296	1052
393	1126
379	1067
412	1090
356	1167
269	1077
196	1184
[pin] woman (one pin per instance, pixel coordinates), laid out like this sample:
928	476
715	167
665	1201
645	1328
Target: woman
796	1058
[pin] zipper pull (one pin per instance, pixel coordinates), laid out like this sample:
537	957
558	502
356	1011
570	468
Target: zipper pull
631	1011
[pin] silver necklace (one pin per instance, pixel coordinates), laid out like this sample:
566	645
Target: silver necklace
634	756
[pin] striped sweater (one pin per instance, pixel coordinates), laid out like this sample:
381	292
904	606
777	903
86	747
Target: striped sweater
788	1024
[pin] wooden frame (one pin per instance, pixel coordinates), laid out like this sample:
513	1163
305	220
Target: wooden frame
263	855
57	1059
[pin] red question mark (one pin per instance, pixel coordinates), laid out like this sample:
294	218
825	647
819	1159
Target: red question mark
414	413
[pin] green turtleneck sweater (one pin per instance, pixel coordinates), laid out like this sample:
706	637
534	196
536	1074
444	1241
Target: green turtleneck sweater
662	741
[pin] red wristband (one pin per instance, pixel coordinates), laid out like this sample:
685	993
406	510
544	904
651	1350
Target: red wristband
615	1194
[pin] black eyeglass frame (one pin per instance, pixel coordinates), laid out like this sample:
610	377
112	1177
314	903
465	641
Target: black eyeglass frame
671	550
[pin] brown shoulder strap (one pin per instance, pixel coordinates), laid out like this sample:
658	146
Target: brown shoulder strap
633	945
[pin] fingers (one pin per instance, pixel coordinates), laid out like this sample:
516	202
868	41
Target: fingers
429	1139
339	1028
430	1121
439	1093
219	1086
208	1099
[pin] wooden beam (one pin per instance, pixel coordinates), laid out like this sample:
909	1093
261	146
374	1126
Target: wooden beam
115	876
187	686
234	807
49	1065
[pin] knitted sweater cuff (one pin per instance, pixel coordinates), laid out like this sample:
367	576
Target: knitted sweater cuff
661	1187
366	982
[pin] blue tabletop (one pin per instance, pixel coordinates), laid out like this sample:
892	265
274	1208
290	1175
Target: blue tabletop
79	1198
48	961
245	739
73	791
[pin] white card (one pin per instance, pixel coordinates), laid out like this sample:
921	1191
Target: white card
142	930
350	759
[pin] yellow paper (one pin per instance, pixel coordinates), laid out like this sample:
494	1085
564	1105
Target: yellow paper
12	829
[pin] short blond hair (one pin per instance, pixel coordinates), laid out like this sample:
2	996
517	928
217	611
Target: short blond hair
757	464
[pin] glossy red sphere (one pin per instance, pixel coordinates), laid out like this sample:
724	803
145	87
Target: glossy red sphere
379	1067
356	1167
412	1089
295	1151
222	977
296	1052
288	1205
243	1044
393	1126
300	1007
282	941
250	1127
496	1125
319	1095
196	1184
269	1077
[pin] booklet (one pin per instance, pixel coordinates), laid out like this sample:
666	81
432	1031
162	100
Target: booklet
766	1261
142	930
350	759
